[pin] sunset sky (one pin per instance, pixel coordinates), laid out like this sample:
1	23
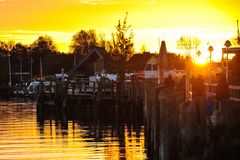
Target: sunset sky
212	21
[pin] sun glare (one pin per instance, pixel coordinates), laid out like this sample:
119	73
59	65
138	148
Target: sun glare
201	61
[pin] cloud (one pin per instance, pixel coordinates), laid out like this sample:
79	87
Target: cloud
28	36
116	2
97	2
112	2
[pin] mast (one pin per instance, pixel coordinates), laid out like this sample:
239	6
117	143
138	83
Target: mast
238	35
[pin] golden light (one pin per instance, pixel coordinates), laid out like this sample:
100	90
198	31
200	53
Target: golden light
201	60
62	18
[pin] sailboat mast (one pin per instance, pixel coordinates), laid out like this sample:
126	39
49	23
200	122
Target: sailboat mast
238	35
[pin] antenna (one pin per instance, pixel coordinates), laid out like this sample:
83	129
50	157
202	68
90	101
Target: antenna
238	36
237	28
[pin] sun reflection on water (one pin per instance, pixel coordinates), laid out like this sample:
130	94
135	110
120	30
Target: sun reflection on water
25	135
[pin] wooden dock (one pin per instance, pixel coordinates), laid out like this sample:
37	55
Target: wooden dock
85	91
178	131
174	129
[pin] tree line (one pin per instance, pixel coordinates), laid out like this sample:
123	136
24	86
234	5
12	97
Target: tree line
26	58
19	58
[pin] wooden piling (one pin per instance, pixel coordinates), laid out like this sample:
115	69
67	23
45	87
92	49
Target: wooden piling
172	125
100	92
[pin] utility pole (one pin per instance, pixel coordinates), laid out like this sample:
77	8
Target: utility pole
210	49
21	79
238	35
9	69
227	44
74	59
41	69
31	75
31	62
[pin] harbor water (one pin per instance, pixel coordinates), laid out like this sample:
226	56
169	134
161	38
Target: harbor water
83	134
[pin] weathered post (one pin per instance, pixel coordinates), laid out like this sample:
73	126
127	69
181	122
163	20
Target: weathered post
99	93
112	89
61	94
41	92
148	105
73	88
172	129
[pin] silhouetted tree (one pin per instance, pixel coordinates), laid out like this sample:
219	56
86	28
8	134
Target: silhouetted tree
19	51
143	48
3	51
41	47
29	58
188	44
234	42
121	47
175	61
82	41
102	41
122	42
6	48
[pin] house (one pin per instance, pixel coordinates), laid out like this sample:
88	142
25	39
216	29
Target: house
144	65
97	60
145	61
149	65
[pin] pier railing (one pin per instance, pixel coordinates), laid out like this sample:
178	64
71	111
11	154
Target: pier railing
98	91
233	90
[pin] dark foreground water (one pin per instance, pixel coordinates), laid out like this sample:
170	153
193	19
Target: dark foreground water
83	134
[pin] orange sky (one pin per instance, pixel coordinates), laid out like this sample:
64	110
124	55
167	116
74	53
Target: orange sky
212	21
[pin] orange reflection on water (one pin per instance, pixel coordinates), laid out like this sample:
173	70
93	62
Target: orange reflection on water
23	135
134	144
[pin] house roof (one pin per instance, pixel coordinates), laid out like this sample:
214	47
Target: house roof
100	51
139	61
